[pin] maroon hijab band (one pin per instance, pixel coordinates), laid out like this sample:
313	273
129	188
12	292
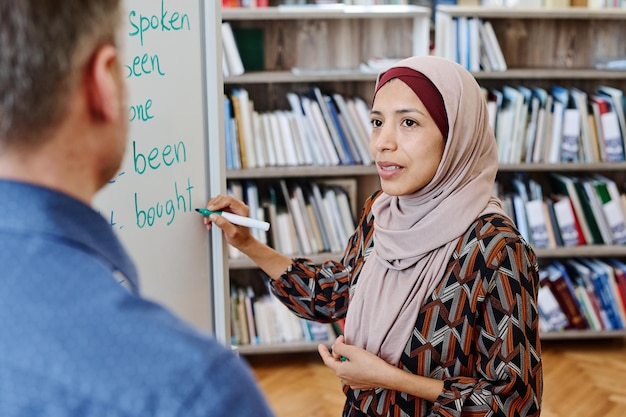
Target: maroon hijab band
424	89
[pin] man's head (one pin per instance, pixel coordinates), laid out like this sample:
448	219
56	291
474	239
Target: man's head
59	67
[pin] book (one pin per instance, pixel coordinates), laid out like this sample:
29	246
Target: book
568	226
610	136
590	302
231	52
492	41
242	112
616	97
314	114
550	309
344	157
560	101
561	285
604	292
537	224
305	130
590	152
610	200
570	139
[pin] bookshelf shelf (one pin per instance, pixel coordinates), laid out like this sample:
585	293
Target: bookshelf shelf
264	77
556	74
544	13
303	171
337	11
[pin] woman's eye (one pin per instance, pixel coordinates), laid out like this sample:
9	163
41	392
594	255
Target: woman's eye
409	123
376	123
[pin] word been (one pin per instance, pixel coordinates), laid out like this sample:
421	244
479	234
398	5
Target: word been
144	65
141	24
168	155
150	214
140	112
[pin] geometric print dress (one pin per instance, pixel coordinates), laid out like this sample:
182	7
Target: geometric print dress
478	331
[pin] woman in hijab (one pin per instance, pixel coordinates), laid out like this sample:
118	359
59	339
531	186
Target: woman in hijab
438	288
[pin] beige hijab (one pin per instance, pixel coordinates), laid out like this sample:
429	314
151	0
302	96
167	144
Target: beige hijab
415	235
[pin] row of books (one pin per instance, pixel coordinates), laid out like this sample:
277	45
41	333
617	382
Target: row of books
560	124
575	294
582	294
587	210
305	218
471	42
263	319
319	129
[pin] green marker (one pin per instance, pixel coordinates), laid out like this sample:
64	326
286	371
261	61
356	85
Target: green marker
236	219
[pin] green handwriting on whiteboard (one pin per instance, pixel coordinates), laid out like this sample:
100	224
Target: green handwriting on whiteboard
156	157
165	22
149	214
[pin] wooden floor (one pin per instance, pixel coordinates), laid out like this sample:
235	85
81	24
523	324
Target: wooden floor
581	379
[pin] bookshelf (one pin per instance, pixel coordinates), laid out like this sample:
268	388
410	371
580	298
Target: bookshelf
545	47
323	46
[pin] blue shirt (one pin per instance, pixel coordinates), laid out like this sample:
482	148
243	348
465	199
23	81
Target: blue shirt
76	343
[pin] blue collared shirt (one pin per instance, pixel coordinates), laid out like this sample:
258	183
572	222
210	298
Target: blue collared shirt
75	343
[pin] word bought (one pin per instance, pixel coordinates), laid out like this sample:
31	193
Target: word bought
148	215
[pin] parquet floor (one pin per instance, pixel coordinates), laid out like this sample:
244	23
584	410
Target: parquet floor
581	379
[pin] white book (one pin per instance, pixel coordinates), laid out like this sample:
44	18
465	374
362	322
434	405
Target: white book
537	223
259	140
589	149
302	149
267	139
330	199
361	112
320	127
235	65
490	58
287	142
551	309
566	221
493	41
277	140
558	109
570	138
331	232
308	140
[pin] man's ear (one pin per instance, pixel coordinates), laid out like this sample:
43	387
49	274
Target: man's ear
104	92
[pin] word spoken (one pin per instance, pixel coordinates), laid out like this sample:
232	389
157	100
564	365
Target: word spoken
148	215
141	24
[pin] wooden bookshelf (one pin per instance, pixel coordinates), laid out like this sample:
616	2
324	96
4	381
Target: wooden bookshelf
544	47
323	46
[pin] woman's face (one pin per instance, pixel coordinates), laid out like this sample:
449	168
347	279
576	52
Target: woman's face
406	143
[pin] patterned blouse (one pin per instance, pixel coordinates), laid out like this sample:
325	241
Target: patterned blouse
478	331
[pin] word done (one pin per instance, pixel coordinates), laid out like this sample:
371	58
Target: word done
140	112
150	214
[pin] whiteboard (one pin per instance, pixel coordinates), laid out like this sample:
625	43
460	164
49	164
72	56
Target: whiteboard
165	174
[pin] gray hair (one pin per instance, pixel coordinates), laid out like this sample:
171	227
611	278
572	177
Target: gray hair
43	46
